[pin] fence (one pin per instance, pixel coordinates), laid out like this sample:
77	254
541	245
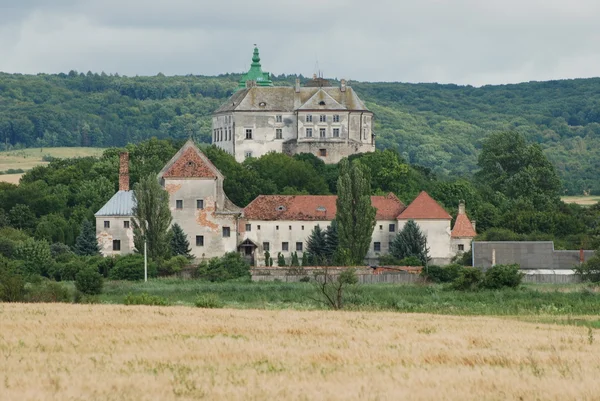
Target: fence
541	278
364	275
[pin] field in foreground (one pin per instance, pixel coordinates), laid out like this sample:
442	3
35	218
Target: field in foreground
110	352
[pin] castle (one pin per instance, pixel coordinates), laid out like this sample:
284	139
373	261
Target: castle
329	122
274	223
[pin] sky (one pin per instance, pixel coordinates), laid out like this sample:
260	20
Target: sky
467	42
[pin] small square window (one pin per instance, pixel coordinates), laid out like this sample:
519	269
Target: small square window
461	247
126	224
226	232
336	118
322	118
248	227
284	246
322	152
309	132
299	246
377	246
380	227
179	204
199	203
258	226
278	118
277	227
290	228
322	132
199	240
116	245
248	133
248	154
266	246
303	227
309	118
392	228
336	132
278	133
106	224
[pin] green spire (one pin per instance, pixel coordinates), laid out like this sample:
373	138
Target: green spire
255	73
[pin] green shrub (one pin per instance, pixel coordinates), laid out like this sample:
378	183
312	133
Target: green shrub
439	274
410	261
208	301
66	271
12	284
590	270
36	255
131	267
469	279
48	291
173	265
388	260
88	281
145	299
80	298
502	276
229	266
61	252
8	247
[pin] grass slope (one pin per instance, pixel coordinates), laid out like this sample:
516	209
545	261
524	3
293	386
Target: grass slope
52	352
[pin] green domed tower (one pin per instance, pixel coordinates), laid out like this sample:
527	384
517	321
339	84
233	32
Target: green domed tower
256	73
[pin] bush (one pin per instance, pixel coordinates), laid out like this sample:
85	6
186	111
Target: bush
145	299
501	276
36	255
208	301
173	265
590	270
80	298
439	274
48	291
61	252
12	284
469	279
131	267
66	271
88	281
8	247
229	266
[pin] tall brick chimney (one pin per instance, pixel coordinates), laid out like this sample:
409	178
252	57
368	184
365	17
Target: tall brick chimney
124	171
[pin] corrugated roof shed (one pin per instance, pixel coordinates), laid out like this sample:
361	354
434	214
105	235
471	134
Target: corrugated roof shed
121	204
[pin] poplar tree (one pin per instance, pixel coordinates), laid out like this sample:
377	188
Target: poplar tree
410	242
355	215
179	242
151	218
87	243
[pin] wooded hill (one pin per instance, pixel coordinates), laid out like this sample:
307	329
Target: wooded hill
437	126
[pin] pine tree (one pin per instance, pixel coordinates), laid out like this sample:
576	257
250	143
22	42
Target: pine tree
355	215
152	218
179	242
410	242
280	260
315	246
305	259
87	243
331	243
295	261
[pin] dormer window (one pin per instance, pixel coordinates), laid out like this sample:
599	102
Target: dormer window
262	104
322	103
190	164
280	208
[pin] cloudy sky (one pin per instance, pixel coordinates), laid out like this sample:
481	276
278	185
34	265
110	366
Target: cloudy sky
473	42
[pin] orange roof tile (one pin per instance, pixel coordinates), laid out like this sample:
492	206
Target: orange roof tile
313	207
424	207
463	227
190	164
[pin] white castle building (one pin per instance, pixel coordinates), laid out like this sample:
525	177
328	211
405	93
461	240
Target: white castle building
277	223
329	122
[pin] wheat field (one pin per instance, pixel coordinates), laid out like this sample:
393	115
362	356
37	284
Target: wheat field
110	352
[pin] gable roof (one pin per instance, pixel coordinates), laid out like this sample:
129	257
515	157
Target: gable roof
319	97
313	207
463	227
190	162
121	204
424	207
285	98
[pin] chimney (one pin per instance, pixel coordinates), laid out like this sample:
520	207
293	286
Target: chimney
461	207
474	224
297	85
343	85
124	171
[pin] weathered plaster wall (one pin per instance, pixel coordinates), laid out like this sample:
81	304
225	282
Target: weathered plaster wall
438	238
455	242
207	222
117	231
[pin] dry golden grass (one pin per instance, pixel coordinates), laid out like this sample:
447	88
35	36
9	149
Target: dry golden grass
26	159
581	200
109	352
11	178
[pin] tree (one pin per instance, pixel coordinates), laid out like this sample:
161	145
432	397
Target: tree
355	215
316	245
332	287
21	217
281	260
331	243
89	281
151	218
87	243
179	242
295	261
410	242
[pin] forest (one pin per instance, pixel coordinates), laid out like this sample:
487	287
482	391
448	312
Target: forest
439	127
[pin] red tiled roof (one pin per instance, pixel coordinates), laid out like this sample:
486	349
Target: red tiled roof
313	207
463	227
190	164
424	207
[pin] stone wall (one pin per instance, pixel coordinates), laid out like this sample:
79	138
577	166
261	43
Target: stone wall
116	231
